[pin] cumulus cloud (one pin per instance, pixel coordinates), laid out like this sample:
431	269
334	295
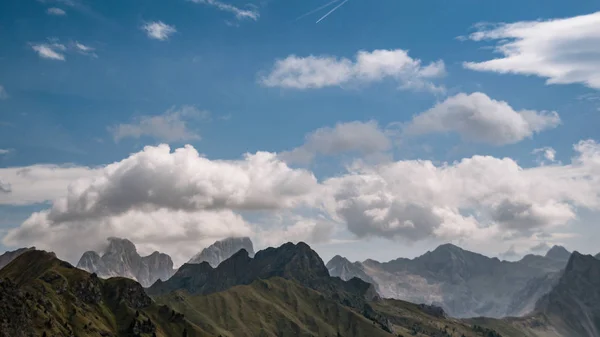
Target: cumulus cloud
362	137
40	183
324	71
3	93
52	51
170	126
165	196
294	228
56	11
480	197
563	51
477	117
249	13
159	30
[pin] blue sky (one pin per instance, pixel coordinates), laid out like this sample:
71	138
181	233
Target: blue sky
206	77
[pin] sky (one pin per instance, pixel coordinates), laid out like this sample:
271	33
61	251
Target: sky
369	129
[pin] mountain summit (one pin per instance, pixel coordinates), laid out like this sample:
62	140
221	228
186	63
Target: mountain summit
558	253
222	250
121	258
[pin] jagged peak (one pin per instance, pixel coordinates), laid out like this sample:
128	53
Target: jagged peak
448	247
578	262
558	253
119	245
337	260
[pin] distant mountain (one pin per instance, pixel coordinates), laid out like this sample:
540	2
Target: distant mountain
41	295
7	257
464	283
598	256
122	259
222	250
558	253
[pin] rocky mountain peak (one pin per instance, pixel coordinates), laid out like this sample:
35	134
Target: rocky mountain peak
558	253
120	258
222	250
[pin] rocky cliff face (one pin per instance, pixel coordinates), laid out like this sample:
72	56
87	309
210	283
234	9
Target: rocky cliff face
464	283
573	305
222	250
122	259
7	257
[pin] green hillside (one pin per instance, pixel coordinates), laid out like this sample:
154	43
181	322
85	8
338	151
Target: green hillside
41	295
279	307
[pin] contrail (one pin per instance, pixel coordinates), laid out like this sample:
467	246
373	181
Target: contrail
331	11
317	9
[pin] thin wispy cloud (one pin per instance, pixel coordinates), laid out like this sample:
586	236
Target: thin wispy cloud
84	49
318	9
331	11
240	13
56	11
51	51
3	93
159	30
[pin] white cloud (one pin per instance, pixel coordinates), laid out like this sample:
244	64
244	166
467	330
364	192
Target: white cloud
3	93
294	228
323	71
5	151
53	51
170	127
480	197
56	11
159	30
562	50
362	137
251	13
84	49
40	183
165	196
548	153
5	187
476	117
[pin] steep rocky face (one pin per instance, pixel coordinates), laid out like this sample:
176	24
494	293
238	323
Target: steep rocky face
464	283
122	259
7	257
222	250
573	305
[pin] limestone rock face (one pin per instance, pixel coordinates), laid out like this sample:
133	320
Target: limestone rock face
222	250
122	259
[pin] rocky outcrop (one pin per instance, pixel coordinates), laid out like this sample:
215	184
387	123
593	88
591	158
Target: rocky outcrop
222	250
121	259
7	257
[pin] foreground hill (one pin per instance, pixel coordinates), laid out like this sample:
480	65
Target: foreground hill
41	295
464	283
121	259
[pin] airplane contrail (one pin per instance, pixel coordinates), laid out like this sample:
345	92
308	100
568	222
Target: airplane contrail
317	9
331	11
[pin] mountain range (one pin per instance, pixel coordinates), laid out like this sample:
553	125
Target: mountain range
284	291
464	283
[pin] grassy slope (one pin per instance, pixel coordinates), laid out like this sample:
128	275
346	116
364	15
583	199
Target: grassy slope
273	307
49	295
